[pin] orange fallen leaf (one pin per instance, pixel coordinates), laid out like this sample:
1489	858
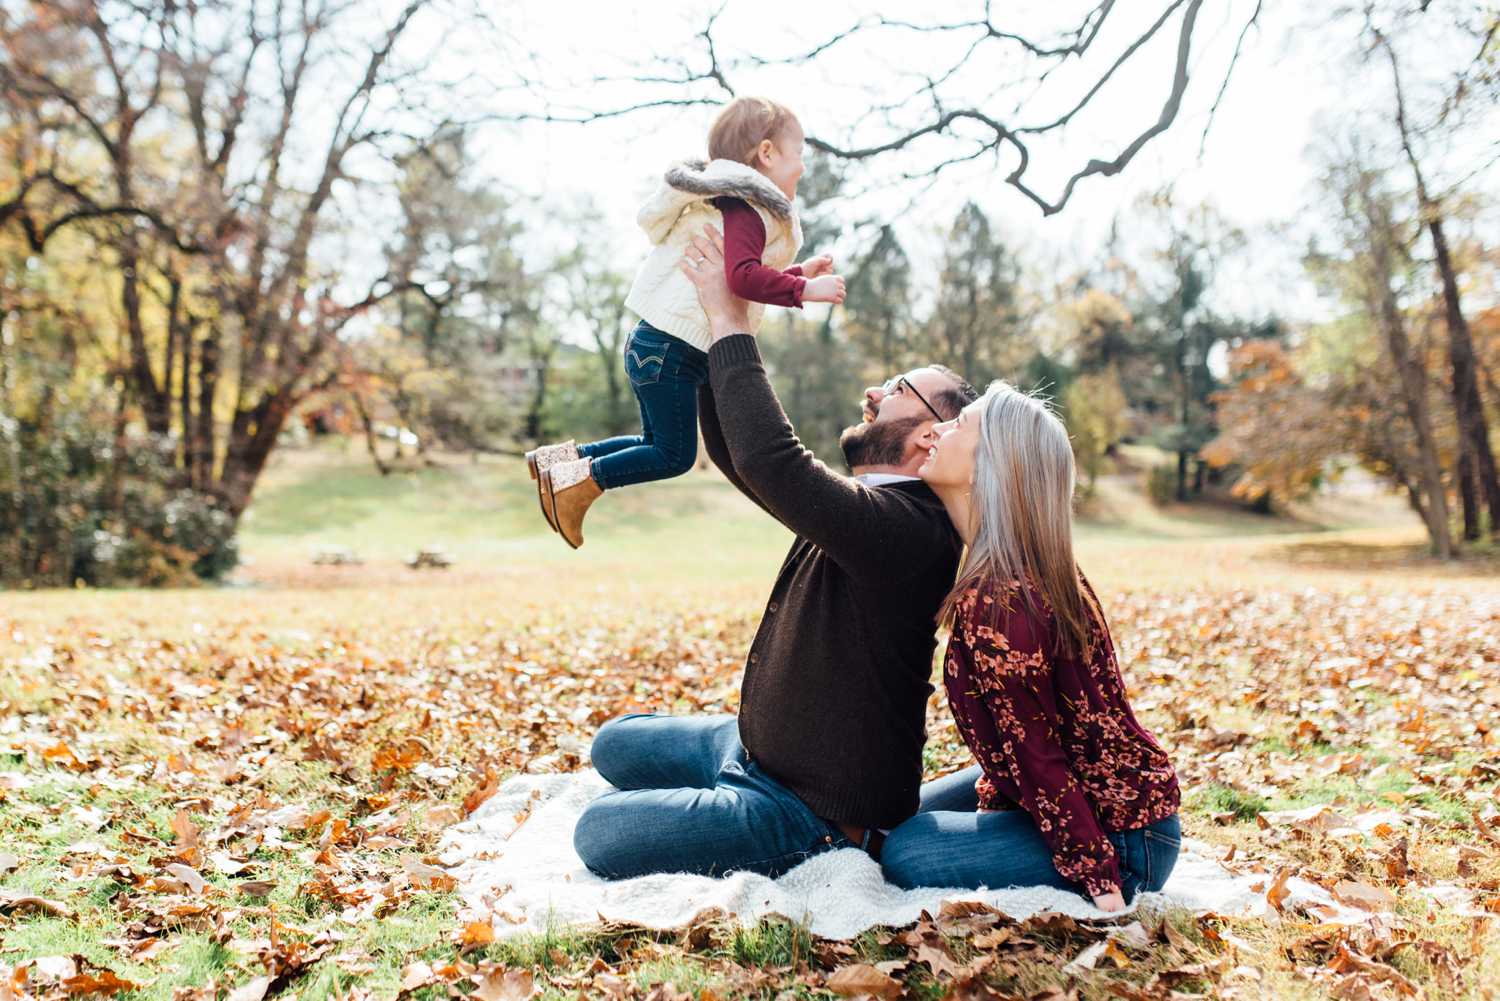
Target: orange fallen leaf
64	754
106	982
1278	891
476	933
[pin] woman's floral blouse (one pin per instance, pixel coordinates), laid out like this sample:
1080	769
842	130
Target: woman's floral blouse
1053	732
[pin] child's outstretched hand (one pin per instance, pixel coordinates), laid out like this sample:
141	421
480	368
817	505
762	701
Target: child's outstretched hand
815	266
825	288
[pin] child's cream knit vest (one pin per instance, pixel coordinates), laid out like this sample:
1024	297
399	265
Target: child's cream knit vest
661	294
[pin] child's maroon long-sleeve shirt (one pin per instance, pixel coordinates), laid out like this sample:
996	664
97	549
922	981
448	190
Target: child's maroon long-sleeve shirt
1053	732
744	243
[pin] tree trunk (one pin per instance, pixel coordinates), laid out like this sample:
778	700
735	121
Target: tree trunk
185	404
155	404
246	453
369	429
1474	436
13	452
203	435
1414	389
1468	493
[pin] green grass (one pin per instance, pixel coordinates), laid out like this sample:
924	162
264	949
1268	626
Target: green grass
485	512
1216	798
653	551
696	531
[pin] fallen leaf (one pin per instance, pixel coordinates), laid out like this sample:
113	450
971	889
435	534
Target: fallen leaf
476	933
252	990
1365	896
185	875
1087	959
402	758
50	968
188	836
1278	892
488	785
862	978
227	864
64	755
426	876
19	902
106	982
416	975
939	960
505	985
1316	818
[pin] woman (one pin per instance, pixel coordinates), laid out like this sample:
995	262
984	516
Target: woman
1070	790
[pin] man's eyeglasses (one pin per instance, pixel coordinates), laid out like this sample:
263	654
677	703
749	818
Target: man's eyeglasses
900	384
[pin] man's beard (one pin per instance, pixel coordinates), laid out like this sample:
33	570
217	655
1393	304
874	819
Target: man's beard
877	443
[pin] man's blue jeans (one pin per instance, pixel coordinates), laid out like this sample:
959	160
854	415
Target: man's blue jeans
948	843
691	800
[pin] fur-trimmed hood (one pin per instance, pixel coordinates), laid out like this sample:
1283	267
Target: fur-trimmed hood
698	180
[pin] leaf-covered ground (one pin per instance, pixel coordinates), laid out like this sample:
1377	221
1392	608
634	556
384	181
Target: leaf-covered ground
241	792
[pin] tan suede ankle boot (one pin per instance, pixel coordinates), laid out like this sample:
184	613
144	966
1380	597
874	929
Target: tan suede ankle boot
568	490
542	458
546	456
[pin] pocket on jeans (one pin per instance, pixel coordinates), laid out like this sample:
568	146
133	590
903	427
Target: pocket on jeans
643	362
1161	857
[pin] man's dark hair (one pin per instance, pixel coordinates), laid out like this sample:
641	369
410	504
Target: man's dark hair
950	401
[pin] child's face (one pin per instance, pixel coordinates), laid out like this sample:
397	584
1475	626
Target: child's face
781	160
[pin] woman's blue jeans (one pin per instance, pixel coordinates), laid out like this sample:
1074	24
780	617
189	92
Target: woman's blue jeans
949	843
665	373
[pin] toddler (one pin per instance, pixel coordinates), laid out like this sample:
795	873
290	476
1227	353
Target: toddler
746	188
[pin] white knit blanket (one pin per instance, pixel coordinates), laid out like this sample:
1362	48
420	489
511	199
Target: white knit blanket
515	864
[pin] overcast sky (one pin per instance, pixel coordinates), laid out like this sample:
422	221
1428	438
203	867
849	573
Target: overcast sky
1290	88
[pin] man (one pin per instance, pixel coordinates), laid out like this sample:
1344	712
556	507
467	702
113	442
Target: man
827	749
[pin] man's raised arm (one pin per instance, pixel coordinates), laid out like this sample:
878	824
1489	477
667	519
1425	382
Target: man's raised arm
717	448
865	530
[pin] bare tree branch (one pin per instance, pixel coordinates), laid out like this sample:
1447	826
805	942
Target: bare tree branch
1234	61
998	131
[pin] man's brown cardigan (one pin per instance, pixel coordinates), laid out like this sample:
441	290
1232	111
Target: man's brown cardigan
837	681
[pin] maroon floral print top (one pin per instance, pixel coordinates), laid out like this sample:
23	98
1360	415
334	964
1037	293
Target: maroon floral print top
1053	732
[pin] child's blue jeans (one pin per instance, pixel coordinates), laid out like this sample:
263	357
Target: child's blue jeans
665	373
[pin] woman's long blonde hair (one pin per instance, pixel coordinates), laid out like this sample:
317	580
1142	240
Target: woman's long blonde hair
1023	501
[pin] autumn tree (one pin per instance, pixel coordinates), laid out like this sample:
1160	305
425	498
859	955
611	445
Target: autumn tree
1094	407
1180	326
207	151
1276	428
1368	263
1478	481
442	356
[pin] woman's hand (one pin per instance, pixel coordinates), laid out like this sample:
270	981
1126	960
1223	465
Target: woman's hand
1112	901
815	266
